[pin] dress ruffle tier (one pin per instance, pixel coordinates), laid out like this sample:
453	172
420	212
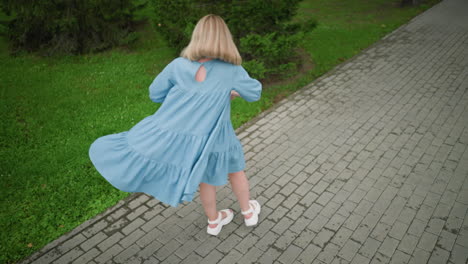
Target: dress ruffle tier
154	165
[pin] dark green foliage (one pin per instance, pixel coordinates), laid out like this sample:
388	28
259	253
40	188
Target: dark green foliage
175	20
262	29
69	26
410	2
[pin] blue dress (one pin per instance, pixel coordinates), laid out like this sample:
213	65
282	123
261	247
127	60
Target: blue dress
188	140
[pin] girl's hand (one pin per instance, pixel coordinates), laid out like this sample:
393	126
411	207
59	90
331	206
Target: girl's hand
234	94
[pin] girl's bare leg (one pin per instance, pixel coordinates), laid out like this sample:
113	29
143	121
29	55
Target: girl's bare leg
240	187
208	199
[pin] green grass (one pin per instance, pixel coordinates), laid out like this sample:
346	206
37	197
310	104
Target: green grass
347	27
52	109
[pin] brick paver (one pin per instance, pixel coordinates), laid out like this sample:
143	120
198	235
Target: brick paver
368	164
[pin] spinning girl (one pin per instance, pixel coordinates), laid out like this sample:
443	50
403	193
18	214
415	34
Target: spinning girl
189	143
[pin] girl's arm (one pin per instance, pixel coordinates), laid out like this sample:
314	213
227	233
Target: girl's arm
161	85
248	88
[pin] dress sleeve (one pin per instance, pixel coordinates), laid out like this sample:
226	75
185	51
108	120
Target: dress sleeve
248	88
161	85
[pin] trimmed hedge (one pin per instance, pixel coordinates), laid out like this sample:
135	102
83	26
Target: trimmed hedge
69	26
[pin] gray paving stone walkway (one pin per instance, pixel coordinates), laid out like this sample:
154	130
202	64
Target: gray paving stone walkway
368	164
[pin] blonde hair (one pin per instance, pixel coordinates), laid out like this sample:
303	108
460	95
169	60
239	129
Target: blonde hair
211	38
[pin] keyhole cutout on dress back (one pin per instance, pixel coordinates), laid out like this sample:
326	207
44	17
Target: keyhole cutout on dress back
201	74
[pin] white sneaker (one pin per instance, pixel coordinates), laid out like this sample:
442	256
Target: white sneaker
220	222
255	210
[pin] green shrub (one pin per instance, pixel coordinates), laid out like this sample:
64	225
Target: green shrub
255	68
175	20
64	26
263	31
